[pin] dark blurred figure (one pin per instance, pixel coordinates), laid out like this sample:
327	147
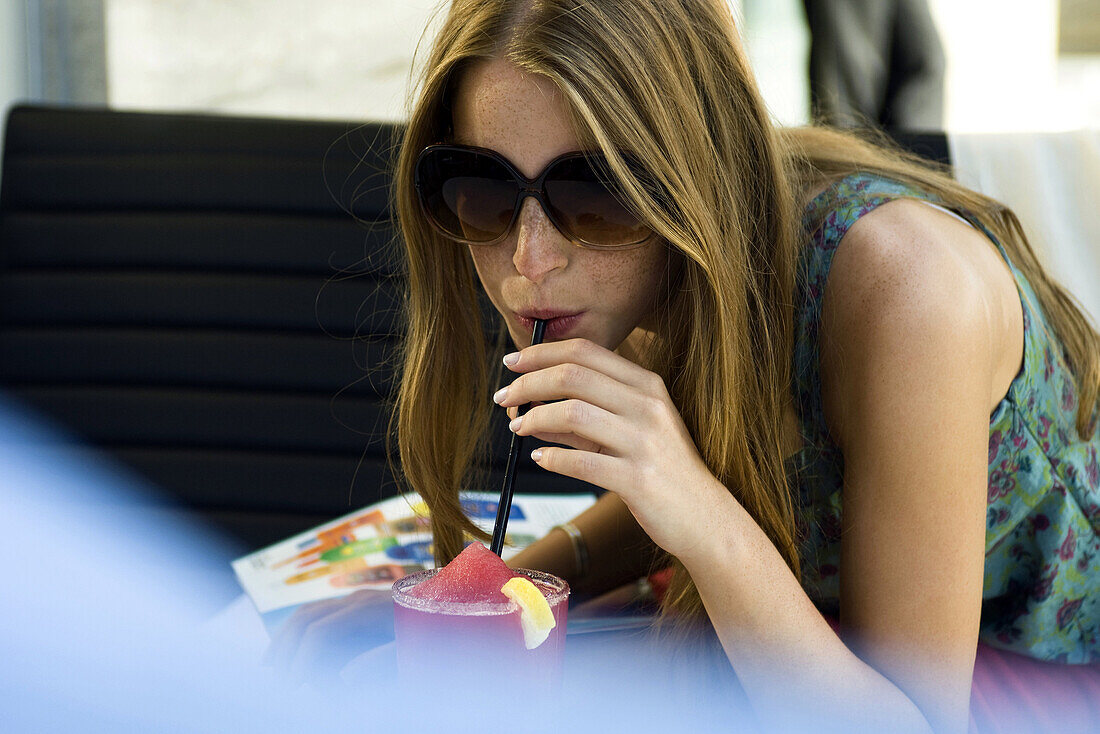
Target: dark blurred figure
875	62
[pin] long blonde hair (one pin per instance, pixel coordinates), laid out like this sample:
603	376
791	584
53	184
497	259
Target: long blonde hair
668	81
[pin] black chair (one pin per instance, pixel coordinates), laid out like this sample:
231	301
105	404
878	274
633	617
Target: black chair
173	289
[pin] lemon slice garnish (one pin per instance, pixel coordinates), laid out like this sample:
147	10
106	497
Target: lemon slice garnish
534	612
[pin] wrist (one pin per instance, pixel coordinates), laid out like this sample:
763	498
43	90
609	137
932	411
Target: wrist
550	554
719	526
580	550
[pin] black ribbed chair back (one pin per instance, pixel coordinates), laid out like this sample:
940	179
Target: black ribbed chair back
173	288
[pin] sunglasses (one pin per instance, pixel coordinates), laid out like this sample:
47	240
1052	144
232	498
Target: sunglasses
474	195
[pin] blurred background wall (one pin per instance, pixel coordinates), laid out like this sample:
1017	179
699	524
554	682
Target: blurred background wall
1010	64
13	51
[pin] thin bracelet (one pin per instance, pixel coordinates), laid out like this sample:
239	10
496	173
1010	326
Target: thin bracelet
580	548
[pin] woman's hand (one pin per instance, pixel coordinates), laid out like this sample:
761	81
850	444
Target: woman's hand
625	432
320	639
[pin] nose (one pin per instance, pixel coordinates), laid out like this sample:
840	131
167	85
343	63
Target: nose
540	248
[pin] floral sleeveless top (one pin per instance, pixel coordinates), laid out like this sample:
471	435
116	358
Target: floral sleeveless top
1041	593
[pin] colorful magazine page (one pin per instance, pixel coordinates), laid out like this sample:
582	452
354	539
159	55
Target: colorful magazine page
373	547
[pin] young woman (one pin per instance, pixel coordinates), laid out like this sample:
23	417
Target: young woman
819	377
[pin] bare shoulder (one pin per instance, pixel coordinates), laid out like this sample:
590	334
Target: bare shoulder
910	259
912	288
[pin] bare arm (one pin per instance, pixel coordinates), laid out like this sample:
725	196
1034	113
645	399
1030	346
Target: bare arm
912	418
907	363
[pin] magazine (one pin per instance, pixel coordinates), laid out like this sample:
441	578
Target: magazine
374	546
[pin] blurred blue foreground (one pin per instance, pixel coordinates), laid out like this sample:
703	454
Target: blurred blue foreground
104	627
103	602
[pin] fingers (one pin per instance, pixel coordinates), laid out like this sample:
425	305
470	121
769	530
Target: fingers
563	381
319	639
285	642
590	423
563	438
584	353
599	469
330	643
581	395
567	439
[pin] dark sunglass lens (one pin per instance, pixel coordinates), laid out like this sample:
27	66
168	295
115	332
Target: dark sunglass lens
588	207
466	194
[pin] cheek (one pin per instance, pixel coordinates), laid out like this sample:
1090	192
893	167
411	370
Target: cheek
637	275
654	269
492	265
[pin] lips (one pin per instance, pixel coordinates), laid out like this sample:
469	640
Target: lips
558	323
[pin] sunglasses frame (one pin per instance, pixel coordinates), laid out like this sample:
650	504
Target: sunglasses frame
533	187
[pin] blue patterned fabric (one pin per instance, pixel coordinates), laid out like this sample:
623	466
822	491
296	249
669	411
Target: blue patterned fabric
1041	592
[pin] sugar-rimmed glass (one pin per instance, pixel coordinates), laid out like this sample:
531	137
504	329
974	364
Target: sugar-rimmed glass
435	636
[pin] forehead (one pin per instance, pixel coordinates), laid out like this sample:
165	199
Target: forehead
524	117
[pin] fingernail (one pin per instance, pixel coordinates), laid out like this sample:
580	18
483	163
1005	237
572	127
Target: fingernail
499	395
515	424
511	359
536	454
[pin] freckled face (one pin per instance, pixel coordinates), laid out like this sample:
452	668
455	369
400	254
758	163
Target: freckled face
601	295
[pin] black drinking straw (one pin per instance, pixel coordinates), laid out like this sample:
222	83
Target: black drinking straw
504	507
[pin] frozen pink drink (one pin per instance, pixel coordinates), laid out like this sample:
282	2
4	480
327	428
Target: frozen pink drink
449	619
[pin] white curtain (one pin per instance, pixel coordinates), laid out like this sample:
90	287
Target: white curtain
1050	180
